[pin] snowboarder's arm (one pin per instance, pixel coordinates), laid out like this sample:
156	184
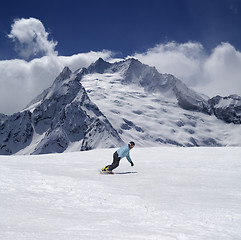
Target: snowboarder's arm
129	159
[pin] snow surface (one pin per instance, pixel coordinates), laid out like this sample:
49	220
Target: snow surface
170	193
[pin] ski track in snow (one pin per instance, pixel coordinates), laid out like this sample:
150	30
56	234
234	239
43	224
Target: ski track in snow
171	193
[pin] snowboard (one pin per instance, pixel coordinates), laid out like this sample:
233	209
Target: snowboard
106	172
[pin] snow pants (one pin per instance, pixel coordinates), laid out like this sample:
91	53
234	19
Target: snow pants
116	162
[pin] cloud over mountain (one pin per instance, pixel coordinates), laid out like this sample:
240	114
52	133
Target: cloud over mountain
31	38
217	73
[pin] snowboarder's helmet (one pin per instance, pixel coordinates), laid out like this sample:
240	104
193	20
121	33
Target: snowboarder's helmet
132	143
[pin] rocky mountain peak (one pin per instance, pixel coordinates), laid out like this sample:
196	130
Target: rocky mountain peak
65	74
99	66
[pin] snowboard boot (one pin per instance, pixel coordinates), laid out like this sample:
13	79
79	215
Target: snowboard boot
105	169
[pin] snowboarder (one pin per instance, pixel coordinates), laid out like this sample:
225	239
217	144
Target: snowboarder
118	155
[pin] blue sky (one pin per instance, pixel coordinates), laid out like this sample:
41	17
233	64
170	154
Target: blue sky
124	26
198	41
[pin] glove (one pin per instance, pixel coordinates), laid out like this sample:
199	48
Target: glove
132	164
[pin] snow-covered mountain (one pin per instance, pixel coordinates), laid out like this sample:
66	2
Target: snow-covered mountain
61	118
153	108
108	104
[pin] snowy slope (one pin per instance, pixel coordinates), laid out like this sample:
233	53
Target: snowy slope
153	118
170	194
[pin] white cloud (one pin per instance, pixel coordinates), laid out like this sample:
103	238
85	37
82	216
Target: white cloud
218	73
181	60
222	71
31	38
21	81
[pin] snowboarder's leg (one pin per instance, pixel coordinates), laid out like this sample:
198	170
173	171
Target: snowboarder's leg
116	161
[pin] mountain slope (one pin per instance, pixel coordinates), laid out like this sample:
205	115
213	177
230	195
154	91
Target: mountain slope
16	132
